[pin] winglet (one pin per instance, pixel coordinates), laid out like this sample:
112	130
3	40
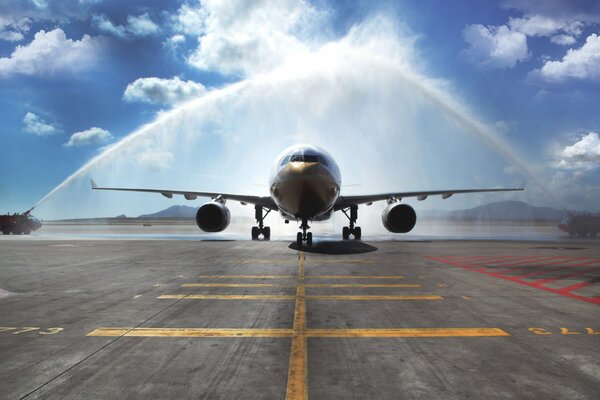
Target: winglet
94	186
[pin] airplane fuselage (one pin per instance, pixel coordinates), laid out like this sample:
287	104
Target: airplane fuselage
305	183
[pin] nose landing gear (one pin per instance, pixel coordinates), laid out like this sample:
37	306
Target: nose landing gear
351	229
304	236
260	229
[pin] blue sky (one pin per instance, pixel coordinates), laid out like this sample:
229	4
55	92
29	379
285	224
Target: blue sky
78	76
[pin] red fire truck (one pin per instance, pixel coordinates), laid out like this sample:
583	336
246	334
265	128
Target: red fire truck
18	224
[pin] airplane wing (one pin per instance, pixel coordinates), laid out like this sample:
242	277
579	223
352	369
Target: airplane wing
347	201
264	201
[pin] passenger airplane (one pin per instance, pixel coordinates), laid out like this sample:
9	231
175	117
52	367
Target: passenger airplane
305	186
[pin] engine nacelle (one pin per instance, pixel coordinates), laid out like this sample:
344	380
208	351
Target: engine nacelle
399	218
213	217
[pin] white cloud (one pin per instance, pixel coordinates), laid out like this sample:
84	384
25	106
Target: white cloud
34	124
244	37
563	40
155	160
581	63
139	26
93	135
497	47
162	91
582	155
190	20
172	43
536	25
51	52
105	25
12	29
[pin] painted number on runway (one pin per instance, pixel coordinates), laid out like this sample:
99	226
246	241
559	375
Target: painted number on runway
564	331
29	329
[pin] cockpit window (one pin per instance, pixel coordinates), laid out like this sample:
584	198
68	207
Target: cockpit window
285	160
307	158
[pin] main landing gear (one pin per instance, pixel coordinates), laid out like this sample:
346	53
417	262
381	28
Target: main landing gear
261	229
304	236
352	217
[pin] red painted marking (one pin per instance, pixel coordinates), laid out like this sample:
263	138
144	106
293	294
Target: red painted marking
579	285
558	269
546	264
593	300
573	275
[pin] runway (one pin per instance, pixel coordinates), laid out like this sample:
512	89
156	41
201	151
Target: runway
157	319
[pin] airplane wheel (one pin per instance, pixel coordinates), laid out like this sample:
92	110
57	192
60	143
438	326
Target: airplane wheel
309	239
26	231
16	231
255	232
6	230
357	232
267	232
299	239
345	232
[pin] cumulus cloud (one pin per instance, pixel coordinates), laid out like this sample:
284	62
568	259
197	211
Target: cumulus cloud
495	46
241	37
582	155
162	91
92	135
51	52
581	63
36	125
139	26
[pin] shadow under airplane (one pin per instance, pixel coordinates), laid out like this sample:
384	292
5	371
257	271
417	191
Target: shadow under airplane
336	247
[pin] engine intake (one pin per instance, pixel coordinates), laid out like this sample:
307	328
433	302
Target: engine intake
399	218
213	217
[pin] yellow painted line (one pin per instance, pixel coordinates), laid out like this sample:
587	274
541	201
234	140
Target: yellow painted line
249	285
190	332
352	297
247	276
290	297
373	285
408	332
297	389
297	373
227	297
354	277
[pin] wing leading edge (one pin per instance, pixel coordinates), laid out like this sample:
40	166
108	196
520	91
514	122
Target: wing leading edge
264	201
347	201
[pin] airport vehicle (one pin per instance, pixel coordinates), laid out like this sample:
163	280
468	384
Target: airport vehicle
305	186
18	224
581	225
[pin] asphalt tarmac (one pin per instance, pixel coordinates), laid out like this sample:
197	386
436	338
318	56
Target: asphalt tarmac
158	319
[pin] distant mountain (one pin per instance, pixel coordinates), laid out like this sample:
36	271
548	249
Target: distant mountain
172	212
502	210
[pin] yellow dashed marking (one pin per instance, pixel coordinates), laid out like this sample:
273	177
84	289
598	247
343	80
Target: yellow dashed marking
290	297
306	277
329	285
372	285
297	373
353	297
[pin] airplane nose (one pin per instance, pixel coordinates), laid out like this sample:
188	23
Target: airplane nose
305	189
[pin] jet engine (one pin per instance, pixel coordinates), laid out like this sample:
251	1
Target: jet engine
213	217
399	218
